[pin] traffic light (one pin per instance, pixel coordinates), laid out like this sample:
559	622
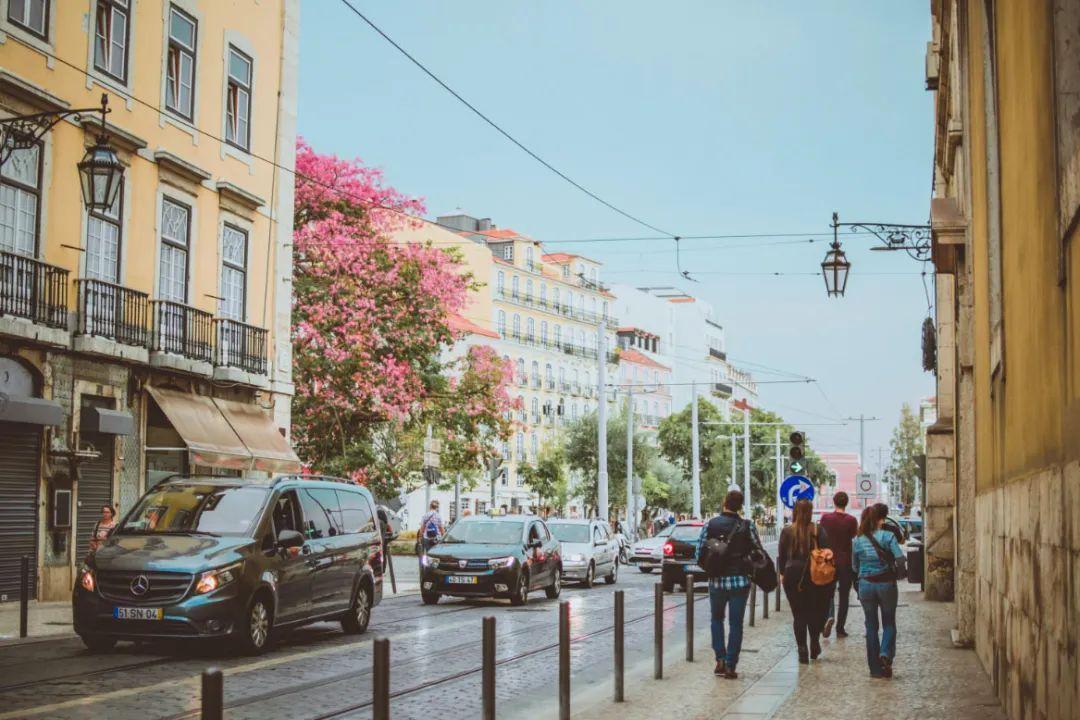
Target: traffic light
795	452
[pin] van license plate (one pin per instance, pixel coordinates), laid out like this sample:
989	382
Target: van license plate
122	613
461	579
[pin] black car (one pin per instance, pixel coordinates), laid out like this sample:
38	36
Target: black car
492	556
680	555
226	558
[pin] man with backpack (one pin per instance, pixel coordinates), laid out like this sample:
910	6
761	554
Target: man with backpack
431	527
724	549
841	529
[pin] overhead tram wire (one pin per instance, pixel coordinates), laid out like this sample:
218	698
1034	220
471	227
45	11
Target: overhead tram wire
499	128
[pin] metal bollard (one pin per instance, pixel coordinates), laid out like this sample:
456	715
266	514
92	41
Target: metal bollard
24	595
764	604
212	691
753	604
658	631
488	672
380	688
690	618
620	618
564	660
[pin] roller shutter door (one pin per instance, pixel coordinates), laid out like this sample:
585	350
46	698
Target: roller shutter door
95	490
19	473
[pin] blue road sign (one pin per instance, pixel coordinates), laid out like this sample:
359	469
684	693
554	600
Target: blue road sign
795	488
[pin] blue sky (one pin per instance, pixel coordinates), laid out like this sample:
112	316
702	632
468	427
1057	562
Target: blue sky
700	118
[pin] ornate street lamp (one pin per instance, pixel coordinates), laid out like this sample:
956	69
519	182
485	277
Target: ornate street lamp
835	266
100	169
912	239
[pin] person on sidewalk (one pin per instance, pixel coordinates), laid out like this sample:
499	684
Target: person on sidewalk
841	529
431	527
808	601
873	554
888	523
731	588
105	525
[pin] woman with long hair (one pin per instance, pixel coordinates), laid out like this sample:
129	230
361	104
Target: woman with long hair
809	602
873	554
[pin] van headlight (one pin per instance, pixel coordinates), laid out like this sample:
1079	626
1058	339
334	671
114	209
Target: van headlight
86	578
213	579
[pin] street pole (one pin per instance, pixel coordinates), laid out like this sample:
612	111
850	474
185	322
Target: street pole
732	482
746	460
862	437
630	458
427	478
779	481
601	380
457	496
696	451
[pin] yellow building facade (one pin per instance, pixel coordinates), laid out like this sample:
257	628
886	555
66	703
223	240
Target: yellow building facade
1003	459
151	337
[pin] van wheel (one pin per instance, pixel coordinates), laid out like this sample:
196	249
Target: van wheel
253	637
356	620
430	597
98	643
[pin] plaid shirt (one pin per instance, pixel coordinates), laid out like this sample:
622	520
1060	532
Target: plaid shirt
729	582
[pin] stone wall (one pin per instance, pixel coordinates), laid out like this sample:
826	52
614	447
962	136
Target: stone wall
1028	593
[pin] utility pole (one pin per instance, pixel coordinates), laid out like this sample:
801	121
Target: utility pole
732	482
630	510
746	459
862	437
601	380
779	481
427	475
695	443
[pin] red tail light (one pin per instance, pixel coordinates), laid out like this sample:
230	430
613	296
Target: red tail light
669	549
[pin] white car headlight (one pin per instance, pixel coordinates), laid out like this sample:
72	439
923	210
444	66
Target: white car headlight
501	562
428	561
214	579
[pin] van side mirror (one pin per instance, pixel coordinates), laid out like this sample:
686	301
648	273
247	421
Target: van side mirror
536	543
289	539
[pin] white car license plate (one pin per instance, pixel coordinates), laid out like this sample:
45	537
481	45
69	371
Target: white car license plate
125	613
461	579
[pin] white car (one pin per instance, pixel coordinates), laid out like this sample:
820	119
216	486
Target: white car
648	553
588	550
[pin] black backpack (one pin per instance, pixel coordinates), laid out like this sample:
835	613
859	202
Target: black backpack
715	552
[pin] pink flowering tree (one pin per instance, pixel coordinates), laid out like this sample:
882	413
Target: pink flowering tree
370	321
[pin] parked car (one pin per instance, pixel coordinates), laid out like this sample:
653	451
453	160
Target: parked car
648	553
492	556
226	558
588	550
680	555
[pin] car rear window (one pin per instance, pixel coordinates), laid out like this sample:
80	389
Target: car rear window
686	532
570	532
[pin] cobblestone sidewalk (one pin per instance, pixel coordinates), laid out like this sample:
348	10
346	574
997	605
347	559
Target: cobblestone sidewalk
933	680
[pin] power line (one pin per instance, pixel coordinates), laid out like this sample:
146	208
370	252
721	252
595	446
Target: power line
499	128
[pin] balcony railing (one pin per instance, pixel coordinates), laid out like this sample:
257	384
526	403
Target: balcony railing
182	330
240	345
556	308
722	388
113	311
33	290
719	354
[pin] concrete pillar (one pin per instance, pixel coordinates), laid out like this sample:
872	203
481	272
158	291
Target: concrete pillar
964	488
941	453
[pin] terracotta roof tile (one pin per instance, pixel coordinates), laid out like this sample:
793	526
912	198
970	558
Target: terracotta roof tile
640	358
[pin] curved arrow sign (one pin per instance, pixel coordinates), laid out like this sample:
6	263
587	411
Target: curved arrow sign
795	488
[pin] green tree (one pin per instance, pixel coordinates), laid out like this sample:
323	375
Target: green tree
548	478
582	457
905	447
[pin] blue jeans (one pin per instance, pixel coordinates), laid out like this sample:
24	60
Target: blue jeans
735	602
877	597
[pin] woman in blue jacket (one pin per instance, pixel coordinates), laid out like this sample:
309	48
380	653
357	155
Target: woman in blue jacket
873	554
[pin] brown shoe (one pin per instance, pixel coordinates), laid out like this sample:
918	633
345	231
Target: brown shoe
886	666
730	674
719	670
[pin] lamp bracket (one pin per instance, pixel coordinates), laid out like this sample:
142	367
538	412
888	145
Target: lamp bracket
23	132
912	239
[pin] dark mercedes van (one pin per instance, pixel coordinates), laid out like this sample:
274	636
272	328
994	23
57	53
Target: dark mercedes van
228	558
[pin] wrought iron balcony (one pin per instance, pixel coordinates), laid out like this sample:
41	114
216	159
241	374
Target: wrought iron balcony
113	311
723	389
33	290
240	345
182	330
719	354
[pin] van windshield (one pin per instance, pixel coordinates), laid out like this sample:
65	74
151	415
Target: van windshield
570	532
196	509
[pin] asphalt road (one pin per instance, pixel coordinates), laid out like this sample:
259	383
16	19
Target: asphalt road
319	672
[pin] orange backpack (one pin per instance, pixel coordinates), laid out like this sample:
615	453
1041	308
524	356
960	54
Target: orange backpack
822	564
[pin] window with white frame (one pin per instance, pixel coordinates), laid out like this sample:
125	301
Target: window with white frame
233	273
30	15
543	332
528	290
535	373
508	251
549	375
500	282
555	297
517	326
521	408
501	323
20	201
535	407
535	442
103	242
238	100
514	283
543	293
111	28
180	64
530	329
521	445
558	335
175	241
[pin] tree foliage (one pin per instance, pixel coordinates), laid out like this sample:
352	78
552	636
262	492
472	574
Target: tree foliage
905	447
582	453
548	478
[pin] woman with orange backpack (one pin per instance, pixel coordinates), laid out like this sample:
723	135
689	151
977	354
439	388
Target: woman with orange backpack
807	574
874	558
